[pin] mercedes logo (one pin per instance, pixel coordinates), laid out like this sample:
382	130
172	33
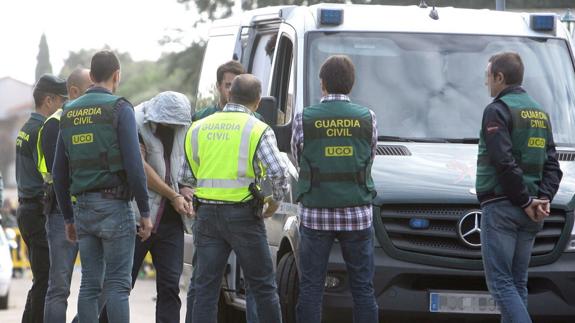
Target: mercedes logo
469	229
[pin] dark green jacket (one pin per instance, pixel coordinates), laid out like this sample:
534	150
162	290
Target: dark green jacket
335	163
29	179
516	157
88	129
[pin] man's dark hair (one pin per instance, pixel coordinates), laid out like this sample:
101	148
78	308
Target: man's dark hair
510	65
337	74
246	89
271	45
39	97
233	67
104	64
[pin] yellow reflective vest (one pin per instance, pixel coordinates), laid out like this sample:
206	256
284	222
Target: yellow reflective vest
42	167
220	151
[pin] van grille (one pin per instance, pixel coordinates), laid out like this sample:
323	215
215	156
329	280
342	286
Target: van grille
566	155
441	237
392	150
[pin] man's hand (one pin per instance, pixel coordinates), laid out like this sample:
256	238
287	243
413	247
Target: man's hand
191	213
180	204
145	228
543	210
270	207
71	232
188	194
537	210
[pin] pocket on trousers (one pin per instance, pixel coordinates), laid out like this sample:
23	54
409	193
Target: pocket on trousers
116	219
204	227
246	228
532	226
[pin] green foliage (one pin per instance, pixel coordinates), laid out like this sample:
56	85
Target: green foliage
141	80
43	65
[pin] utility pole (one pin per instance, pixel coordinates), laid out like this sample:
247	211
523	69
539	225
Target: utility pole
500	5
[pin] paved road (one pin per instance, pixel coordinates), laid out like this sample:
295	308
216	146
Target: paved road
142	304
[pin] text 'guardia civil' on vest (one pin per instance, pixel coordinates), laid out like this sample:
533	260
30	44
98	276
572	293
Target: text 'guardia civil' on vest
83	115
22	136
337	127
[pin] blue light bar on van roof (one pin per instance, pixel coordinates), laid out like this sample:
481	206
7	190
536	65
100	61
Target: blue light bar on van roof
542	22
332	17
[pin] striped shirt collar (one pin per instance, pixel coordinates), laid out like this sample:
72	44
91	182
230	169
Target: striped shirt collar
234	107
335	97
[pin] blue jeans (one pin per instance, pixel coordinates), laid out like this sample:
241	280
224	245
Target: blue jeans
220	229
167	249
507	236
106	231
357	250
251	310
62	257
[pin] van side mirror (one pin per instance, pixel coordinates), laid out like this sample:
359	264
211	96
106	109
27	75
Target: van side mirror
268	109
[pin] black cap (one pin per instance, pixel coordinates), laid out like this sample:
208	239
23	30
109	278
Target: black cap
51	84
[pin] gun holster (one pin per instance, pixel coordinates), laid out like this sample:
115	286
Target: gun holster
195	203
257	201
49	199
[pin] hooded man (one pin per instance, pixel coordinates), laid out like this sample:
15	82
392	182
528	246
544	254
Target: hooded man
162	124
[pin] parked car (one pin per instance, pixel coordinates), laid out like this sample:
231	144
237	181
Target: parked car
6	243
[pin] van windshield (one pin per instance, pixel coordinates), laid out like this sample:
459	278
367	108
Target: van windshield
431	87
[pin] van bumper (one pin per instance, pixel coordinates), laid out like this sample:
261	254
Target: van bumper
402	290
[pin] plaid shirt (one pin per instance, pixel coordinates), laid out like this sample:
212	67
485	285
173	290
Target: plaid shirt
333	219
267	153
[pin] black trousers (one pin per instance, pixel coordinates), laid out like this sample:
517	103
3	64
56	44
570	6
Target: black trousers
167	249
32	225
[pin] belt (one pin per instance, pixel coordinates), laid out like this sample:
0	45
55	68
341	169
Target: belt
201	201
116	193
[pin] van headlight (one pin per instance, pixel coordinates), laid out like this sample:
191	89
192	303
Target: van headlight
571	243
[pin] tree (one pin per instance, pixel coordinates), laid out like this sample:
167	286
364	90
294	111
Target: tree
43	65
144	79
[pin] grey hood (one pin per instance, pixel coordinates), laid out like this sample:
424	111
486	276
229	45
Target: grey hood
167	108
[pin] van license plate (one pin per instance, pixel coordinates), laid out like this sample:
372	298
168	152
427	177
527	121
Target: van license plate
474	303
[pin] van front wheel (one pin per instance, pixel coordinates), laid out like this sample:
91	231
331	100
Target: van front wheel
288	286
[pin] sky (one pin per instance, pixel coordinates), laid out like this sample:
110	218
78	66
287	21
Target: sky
133	26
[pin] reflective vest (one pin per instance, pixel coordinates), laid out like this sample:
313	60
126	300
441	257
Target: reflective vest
529	135
42	167
220	151
335	164
88	129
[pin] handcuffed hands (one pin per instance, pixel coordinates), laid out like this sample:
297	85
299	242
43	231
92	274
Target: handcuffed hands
188	194
538	210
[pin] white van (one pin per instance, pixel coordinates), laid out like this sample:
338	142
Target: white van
424	79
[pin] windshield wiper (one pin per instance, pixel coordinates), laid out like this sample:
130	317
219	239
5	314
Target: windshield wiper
463	140
410	139
392	138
